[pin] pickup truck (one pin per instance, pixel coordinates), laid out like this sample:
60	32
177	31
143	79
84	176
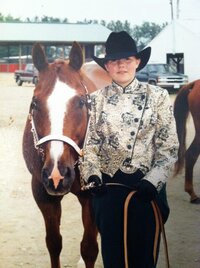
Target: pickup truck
29	75
160	74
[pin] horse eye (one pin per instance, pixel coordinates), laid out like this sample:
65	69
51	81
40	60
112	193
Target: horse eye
34	104
81	102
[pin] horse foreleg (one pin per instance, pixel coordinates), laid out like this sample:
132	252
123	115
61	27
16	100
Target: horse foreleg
89	245
50	207
191	156
53	236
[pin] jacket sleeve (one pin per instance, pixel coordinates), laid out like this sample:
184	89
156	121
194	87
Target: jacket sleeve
89	163
166	143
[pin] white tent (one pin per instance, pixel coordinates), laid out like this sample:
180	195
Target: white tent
181	36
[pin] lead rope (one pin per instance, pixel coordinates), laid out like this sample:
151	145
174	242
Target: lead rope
163	235
159	225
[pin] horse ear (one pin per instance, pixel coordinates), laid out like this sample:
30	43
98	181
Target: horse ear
39	58
76	56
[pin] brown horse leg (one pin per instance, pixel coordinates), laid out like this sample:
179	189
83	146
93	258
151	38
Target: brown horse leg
50	207
89	245
191	156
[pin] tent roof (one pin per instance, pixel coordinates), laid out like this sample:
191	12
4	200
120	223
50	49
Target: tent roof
53	32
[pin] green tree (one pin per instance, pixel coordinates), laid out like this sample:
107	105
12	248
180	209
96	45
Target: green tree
65	20
118	26
36	19
1	17
142	34
48	19
146	32
8	18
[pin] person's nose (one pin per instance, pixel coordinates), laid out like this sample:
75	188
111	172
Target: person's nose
121	62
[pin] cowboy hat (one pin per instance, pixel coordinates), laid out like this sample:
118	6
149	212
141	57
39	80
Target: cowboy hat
121	45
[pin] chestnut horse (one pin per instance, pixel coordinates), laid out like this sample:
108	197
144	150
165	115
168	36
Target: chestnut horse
52	141
188	100
97	74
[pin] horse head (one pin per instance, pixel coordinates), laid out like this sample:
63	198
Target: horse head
58	120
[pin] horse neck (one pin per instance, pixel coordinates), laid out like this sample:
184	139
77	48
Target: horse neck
89	84
97	75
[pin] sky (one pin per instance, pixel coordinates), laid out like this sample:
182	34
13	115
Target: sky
134	11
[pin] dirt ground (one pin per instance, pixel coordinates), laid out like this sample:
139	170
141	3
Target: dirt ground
22	234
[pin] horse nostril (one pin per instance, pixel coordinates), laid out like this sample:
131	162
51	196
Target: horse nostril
68	172
65	171
45	176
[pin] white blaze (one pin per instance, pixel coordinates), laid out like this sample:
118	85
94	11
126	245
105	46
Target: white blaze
57	105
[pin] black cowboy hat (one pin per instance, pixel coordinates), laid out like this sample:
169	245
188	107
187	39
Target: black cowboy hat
121	45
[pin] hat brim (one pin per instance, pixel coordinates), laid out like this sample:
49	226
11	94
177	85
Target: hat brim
143	55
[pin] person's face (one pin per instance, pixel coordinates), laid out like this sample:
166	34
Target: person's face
122	71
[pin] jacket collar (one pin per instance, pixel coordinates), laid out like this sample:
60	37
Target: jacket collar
133	87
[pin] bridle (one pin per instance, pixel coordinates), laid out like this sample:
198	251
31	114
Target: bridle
39	141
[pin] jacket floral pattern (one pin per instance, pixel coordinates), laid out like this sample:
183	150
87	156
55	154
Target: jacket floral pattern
131	128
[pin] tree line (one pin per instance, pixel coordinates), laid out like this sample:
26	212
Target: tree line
142	34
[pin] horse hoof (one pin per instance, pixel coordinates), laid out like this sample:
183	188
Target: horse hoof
195	200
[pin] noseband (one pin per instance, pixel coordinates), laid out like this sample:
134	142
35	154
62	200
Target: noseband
65	139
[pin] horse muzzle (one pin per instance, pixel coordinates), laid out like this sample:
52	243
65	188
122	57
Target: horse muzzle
58	181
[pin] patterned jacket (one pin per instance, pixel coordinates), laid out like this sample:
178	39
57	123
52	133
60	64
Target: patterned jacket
129	129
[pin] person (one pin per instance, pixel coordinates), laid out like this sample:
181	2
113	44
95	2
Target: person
131	143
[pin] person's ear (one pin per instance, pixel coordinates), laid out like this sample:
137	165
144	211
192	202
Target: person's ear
138	62
106	66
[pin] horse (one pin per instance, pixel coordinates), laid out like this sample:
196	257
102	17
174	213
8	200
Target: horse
188	100
97	74
53	137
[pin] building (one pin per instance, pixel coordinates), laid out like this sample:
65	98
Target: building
178	44
17	39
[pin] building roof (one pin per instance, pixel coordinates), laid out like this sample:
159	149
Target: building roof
181	29
53	32
179	37
192	25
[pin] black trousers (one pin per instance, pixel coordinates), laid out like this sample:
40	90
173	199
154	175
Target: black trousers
109	211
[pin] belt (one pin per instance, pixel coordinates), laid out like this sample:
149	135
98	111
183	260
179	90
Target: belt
123	178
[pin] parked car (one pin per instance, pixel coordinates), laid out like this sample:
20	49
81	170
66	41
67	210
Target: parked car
162	75
29	75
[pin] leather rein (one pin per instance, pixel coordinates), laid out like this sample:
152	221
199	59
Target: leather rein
39	141
158	221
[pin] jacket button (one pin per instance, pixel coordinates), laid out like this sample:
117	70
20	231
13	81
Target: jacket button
132	133
127	160
129	146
